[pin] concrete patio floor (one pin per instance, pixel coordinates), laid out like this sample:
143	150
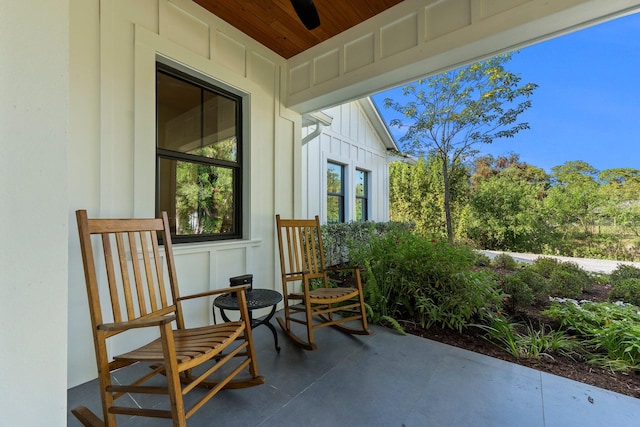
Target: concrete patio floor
387	379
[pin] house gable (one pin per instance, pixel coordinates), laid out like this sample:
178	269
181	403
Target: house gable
356	139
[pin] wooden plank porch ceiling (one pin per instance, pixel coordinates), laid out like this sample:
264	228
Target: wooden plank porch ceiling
275	24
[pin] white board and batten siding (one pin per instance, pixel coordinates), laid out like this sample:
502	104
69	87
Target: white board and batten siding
357	139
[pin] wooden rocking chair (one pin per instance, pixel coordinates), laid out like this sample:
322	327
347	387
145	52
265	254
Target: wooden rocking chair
302	263
143	301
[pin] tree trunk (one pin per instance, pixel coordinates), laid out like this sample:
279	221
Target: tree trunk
447	201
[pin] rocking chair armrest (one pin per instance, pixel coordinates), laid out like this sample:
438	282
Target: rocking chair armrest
215	292
138	323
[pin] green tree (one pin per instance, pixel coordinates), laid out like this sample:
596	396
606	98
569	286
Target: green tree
621	193
449	114
487	166
574	198
507	213
416	194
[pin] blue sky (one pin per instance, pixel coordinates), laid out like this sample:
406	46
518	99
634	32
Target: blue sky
587	105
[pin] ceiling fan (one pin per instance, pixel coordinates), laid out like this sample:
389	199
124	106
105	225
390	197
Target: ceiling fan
307	12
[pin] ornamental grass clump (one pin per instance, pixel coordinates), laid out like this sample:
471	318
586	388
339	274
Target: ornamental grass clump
610	332
530	342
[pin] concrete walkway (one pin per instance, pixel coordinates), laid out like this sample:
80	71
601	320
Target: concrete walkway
587	264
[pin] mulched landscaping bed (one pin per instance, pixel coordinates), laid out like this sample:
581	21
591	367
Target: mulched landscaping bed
470	339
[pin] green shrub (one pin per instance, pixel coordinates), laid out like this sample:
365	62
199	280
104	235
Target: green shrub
622	272
470	295
566	284
566	279
519	293
482	260
505	261
545	266
600	278
538	284
627	290
413	277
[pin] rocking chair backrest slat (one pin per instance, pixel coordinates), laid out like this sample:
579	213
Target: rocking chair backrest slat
301	250
137	276
136	268
126	284
113	291
159	273
148	271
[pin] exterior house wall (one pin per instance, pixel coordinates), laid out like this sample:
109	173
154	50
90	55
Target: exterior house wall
351	141
112	147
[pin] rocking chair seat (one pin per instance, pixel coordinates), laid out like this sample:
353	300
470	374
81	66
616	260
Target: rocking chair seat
334	294
191	344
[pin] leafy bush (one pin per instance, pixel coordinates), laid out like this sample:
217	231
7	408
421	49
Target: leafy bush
409	276
611	331
565	284
622	272
538	284
545	266
338	237
627	290
470	295
566	279
518	291
482	260
505	261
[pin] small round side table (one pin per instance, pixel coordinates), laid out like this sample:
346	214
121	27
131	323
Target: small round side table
256	298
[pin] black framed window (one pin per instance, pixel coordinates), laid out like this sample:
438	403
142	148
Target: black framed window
335	192
198	153
362	195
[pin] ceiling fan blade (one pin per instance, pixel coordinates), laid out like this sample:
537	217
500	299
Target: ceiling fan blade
307	13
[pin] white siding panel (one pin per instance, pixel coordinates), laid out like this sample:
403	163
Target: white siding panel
262	71
492	7
399	36
230	53
187	31
112	165
359	53
300	78
447	17
352	142
326	67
